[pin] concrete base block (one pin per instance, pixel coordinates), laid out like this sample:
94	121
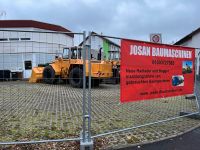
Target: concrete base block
190	96
86	145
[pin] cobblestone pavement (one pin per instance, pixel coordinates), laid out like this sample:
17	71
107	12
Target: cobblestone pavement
41	111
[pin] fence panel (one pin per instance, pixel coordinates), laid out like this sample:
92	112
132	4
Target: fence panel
38	112
109	116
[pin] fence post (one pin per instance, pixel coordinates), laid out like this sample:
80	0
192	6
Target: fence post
86	142
89	87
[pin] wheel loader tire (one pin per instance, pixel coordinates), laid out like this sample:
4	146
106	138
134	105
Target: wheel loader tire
76	77
49	75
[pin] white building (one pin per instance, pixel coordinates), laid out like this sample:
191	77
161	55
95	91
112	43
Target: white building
21	51
108	49
193	40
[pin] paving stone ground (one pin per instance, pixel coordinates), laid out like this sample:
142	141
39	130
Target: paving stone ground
42	111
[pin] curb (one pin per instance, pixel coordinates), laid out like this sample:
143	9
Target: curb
158	140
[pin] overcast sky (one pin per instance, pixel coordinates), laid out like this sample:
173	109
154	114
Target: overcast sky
125	18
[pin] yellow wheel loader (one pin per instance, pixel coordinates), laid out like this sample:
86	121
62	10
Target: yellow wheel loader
69	68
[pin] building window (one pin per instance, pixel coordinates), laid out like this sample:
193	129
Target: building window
14	39
25	39
3	39
28	65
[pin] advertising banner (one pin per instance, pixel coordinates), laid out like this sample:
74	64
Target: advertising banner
150	70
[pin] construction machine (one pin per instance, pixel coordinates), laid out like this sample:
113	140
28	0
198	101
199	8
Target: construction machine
69	68
114	59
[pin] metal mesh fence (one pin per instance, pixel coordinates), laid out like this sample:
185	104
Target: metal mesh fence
37	111
110	116
51	108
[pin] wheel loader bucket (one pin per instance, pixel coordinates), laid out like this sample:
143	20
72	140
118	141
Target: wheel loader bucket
36	75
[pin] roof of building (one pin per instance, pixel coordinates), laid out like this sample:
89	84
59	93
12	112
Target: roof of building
33	24
106	39
187	37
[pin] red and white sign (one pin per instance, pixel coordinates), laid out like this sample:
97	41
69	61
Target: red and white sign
156	38
150	70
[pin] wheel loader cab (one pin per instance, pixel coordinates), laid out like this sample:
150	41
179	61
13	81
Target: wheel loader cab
66	53
72	53
113	55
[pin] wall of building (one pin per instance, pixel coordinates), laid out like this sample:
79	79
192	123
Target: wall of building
97	43
39	48
194	41
106	49
33	42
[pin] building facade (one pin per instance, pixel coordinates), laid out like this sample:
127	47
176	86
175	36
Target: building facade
193	40
26	43
103	47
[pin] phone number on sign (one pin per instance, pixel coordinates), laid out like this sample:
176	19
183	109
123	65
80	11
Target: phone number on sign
162	62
